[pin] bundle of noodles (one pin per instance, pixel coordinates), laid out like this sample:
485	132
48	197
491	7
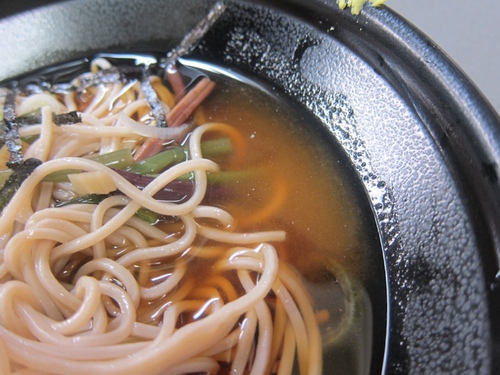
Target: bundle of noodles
89	285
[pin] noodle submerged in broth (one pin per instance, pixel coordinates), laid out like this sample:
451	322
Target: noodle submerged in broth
148	238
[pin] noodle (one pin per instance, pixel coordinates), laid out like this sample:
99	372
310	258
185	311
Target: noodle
90	287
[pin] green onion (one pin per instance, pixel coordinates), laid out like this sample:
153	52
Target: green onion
30	138
221	146
84	199
120	159
34	113
224	177
143	213
157	163
60	176
147	215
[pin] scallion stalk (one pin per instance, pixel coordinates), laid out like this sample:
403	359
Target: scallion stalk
120	159
216	147
143	213
30	138
157	163
147	215
85	199
224	177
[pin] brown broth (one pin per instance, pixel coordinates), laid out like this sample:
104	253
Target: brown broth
319	211
331	235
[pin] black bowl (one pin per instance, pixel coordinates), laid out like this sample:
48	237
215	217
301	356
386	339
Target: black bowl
423	141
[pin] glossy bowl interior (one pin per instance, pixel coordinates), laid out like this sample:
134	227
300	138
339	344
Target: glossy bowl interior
424	143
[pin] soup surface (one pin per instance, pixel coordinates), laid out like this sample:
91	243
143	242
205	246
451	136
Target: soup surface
331	238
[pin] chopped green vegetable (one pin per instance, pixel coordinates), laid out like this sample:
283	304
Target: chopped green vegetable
85	199
147	215
224	177
221	146
60	176
30	138
120	159
35	113
157	163
143	213
164	159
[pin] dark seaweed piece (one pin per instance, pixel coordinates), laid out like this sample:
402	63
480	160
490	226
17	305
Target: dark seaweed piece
10	128
153	101
20	172
68	118
61	119
111	75
193	37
